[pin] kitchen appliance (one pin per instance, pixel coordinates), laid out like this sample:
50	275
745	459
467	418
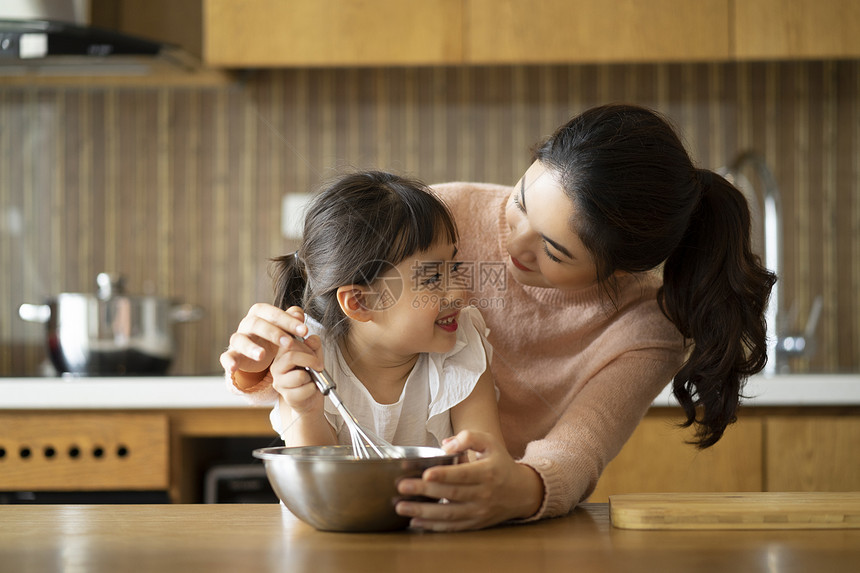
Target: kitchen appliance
238	483
110	333
331	489
55	38
24	40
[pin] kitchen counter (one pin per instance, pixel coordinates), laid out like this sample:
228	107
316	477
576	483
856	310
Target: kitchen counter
60	414
144	392
242	537
792	390
179	392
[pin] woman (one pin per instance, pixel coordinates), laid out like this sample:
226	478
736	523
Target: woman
624	267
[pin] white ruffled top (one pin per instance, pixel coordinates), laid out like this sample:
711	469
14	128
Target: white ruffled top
437	383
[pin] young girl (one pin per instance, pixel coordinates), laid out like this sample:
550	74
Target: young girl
377	277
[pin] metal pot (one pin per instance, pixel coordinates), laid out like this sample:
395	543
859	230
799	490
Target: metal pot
110	333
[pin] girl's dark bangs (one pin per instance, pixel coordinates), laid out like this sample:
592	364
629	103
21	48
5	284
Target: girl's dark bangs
421	230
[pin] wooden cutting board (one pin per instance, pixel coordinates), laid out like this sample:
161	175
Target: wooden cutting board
769	510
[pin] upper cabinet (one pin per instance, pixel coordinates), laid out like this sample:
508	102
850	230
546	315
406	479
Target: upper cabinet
796	29
316	33
267	33
586	31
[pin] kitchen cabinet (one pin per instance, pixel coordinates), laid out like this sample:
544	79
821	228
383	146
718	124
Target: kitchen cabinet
115	450
355	33
83	452
796	29
280	33
657	458
332	33
188	426
812	453
797	433
595	31
605	31
768	449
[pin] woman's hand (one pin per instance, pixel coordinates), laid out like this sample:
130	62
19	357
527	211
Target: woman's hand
255	344
492	489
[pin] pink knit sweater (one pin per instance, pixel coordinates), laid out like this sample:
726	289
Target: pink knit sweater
575	373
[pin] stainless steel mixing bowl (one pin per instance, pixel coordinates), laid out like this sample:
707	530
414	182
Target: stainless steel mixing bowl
330	489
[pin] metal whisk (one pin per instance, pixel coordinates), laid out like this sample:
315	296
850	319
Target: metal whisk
365	444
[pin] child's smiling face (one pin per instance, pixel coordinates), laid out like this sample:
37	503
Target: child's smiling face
424	317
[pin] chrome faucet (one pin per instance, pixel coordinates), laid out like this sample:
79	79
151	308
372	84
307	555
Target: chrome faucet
780	346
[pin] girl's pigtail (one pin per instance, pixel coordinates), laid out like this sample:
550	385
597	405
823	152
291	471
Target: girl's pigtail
289	280
715	290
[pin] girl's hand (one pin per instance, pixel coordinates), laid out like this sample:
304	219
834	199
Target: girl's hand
264	330
292	381
482	493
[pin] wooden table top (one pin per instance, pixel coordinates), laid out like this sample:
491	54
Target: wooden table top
257	537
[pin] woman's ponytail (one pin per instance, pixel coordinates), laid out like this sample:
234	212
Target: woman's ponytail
715	290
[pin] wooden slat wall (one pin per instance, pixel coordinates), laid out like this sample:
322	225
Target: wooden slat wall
180	189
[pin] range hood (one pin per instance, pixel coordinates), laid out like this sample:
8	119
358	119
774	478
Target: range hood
54	47
45	39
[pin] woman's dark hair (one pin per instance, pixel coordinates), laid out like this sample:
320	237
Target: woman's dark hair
355	229
639	202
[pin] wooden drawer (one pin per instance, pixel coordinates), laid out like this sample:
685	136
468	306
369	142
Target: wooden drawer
83	452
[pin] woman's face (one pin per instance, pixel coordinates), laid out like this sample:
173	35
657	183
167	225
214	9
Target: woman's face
544	250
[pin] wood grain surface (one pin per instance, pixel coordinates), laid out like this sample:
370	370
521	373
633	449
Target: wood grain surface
766	510
83	451
264	538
